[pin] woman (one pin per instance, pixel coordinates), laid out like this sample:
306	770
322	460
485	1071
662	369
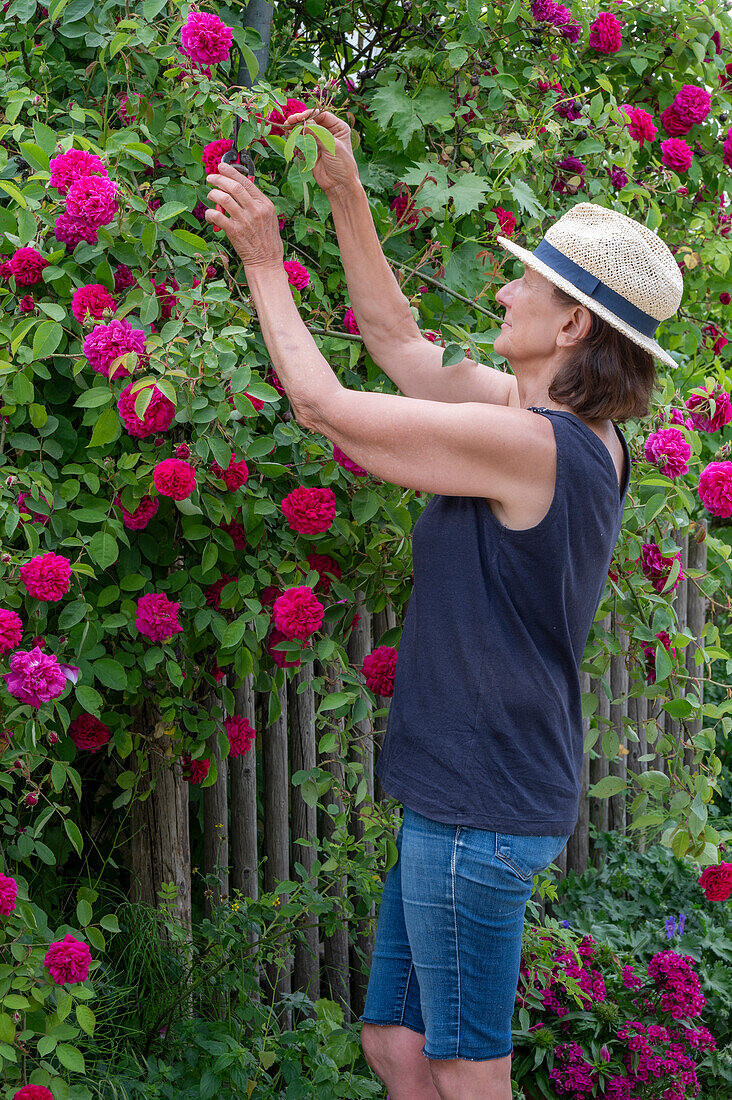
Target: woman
484	740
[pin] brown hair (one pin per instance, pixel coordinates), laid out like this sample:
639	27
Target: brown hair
607	376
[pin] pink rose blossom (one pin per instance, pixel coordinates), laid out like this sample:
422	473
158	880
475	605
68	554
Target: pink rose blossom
310	510
298	613
139	519
174	478
194	771
235	475
157	617
158	415
379	667
27	304
47	577
699	406
123	278
205	39
676	154
88	733
297	275
350	324
280	113
605	34
105	343
68	961
36	677
692	104
26	266
212	154
716	881
241	735
668	449
658	568
8	894
70	167
672	124
11	630
91	301
640	127
715	488
91	200
70	231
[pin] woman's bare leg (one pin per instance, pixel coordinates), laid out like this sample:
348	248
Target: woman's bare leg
395	1055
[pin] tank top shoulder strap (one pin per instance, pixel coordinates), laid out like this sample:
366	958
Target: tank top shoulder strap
595	441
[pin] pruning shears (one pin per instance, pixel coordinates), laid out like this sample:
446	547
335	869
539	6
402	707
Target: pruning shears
241	160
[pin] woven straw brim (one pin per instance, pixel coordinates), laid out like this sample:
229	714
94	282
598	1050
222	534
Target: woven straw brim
602	311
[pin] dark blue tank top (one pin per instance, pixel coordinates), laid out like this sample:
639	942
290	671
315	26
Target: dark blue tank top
485	723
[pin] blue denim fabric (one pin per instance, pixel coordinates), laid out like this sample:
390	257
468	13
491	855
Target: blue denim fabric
448	938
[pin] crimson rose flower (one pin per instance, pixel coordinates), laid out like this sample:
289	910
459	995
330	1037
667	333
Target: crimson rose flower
379	667
47	577
174	478
87	732
68	960
717	882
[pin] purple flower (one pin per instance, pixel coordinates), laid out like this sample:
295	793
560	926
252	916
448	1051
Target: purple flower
670	927
37	677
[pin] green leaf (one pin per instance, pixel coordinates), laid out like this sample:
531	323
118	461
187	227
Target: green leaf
605	788
110	673
233	633
13	191
468	192
93	399
72	614
364	505
103	549
84	913
169	210
452	354
89	699
190	243
106	429
46	339
70	1057
43	134
86	1018
36	157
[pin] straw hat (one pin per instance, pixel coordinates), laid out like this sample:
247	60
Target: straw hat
615	266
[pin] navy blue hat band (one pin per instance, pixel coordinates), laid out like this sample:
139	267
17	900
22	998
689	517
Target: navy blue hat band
594	288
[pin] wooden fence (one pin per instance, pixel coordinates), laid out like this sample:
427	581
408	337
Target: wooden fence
239	833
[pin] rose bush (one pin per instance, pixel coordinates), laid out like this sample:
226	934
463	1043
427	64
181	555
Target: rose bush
162	509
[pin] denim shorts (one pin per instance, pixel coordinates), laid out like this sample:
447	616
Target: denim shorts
447	951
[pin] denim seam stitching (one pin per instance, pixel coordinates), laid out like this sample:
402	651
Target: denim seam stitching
457	945
406	991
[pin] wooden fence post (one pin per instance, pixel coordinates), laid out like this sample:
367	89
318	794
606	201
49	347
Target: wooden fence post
638	714
303	819
696	615
160	848
243	808
276	845
578	845
618	712
600	765
361	750
216	820
335	978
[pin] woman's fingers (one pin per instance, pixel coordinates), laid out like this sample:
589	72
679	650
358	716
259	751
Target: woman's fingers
225	200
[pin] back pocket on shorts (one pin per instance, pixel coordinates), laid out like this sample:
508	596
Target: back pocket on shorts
528	855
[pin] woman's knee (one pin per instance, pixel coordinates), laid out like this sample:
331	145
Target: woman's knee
389	1045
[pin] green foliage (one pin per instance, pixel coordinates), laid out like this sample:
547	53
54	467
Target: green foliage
108	79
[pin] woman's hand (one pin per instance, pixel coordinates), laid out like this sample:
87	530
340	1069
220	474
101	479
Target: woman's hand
331	171
248	217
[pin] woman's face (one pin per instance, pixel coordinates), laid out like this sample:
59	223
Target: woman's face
533	320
